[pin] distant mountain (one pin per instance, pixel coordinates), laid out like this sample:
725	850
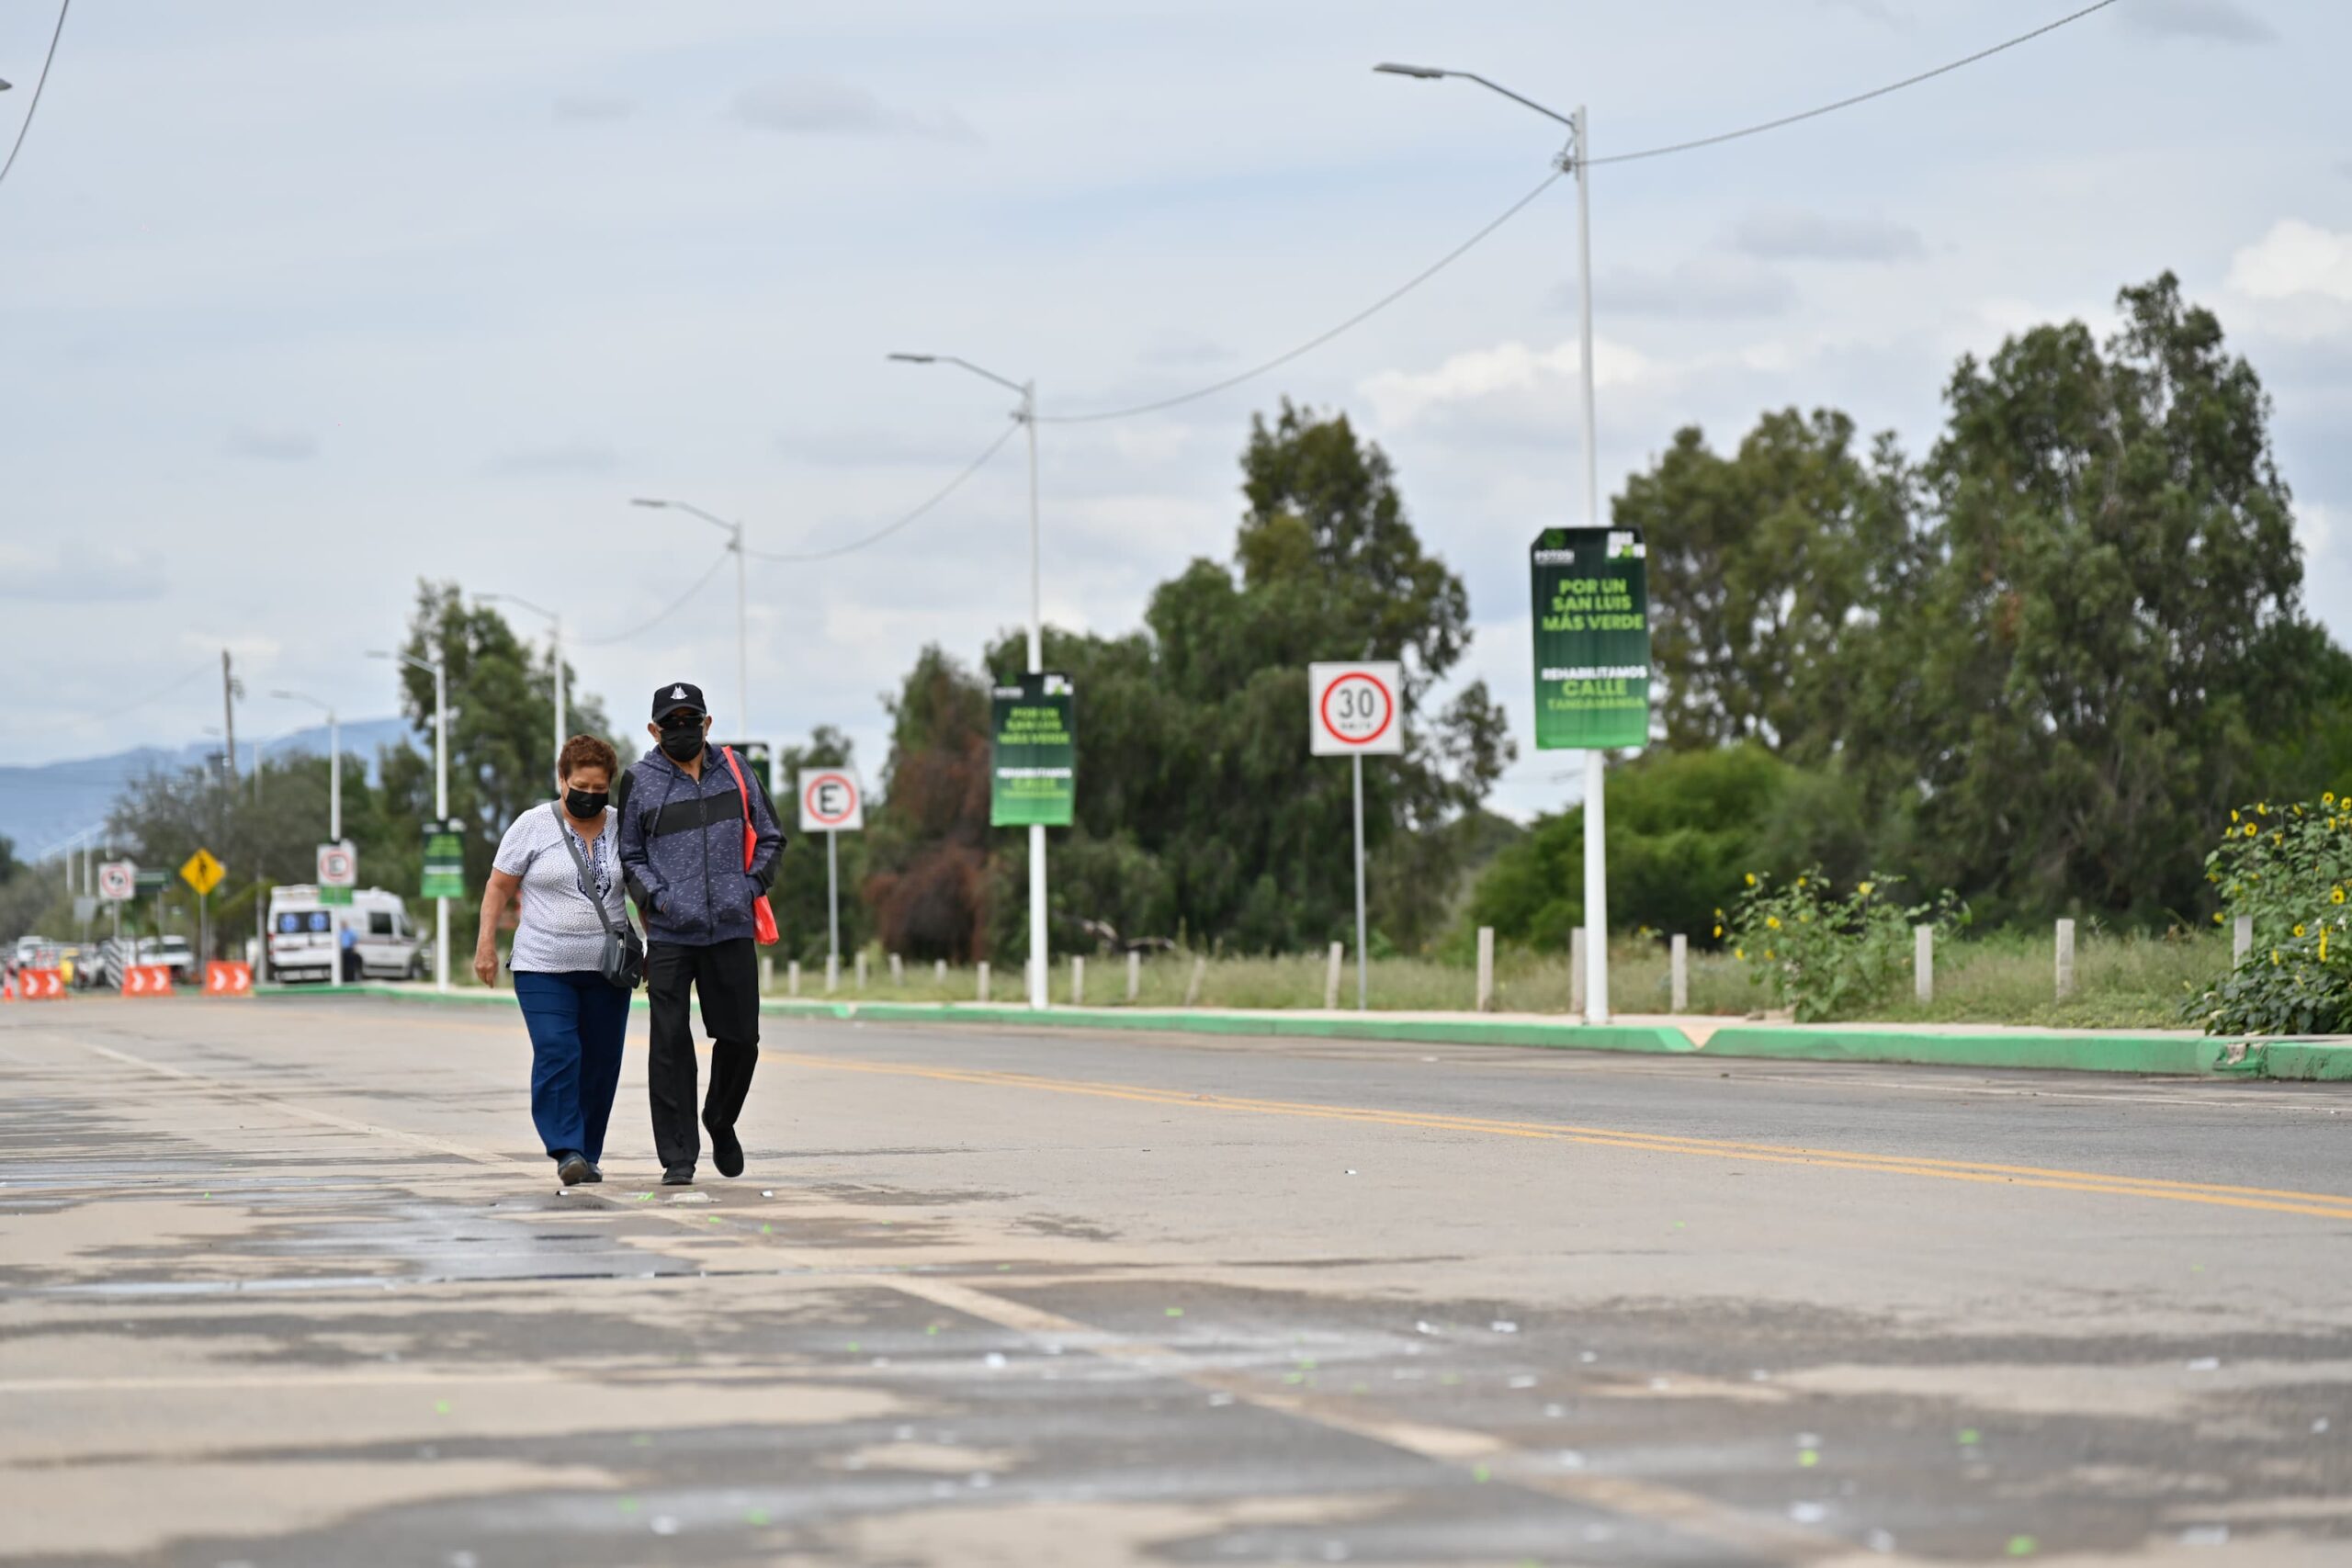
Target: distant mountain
40	805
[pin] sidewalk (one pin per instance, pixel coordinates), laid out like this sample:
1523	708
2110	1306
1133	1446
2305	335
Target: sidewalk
2158	1051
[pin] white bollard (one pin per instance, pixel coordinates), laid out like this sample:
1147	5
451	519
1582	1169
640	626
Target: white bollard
1680	989
1077	980
1331	977
1576	971
2241	939
2066	959
1135	977
1923	962
984	979
1193	990
898	971
939	972
832	972
767	974
792	978
861	971
1486	968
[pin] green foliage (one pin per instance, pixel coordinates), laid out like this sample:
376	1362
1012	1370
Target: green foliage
1201	813
2289	867
1683	827
1825	953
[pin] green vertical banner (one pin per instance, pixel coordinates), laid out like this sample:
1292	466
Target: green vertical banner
1592	638
445	862
1032	754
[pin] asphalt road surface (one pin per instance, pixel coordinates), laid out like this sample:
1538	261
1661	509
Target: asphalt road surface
291	1283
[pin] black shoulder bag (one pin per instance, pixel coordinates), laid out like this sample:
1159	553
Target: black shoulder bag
622	962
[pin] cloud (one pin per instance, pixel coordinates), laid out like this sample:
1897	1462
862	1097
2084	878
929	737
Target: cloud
564	458
804	105
1819	236
2294	260
1875	10
2212	21
1400	397
107	574
591	108
272	445
1712	287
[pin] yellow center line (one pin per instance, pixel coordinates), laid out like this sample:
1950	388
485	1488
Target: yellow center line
2321	1205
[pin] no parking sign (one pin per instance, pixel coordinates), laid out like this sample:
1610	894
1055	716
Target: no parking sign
831	802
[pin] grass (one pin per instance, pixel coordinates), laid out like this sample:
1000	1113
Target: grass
2007	977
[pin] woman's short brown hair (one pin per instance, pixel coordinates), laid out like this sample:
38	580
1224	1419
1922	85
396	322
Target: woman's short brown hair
586	751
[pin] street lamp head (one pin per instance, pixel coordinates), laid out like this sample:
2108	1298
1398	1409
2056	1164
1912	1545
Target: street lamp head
1425	72
377	653
646	500
913	359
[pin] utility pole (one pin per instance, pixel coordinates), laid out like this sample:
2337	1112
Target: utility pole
229	715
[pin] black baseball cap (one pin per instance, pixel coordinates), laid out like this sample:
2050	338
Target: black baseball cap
675	694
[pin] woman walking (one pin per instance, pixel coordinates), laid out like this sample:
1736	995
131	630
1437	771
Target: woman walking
563	860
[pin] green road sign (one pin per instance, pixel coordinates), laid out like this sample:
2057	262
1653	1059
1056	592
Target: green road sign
1033	772
1592	638
445	862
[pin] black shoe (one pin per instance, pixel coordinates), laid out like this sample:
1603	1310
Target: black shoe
572	1169
678	1176
593	1173
726	1149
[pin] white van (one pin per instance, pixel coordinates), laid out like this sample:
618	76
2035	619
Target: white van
305	936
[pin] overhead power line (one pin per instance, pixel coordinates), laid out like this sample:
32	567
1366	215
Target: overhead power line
55	33
1514	209
1943	70
883	532
661	615
156	695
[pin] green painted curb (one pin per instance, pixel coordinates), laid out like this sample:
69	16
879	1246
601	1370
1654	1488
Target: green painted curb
2148	1056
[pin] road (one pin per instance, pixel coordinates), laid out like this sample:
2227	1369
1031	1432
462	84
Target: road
289	1283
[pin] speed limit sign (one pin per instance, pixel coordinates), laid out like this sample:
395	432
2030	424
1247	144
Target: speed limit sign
1352	710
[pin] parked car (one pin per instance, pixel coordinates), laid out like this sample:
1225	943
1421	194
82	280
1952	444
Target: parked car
173	953
306	935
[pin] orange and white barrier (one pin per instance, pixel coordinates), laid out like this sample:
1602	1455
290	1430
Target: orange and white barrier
147	980
228	979
40	984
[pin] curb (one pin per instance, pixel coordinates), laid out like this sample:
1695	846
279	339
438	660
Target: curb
2144	1054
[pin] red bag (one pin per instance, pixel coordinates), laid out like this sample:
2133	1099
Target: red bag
762	917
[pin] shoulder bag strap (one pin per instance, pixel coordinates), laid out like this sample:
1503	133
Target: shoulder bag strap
580	865
742	790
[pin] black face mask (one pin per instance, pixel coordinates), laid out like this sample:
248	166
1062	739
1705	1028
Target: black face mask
584	804
683	743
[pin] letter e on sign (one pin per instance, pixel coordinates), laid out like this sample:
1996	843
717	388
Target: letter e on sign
1353	709
830	801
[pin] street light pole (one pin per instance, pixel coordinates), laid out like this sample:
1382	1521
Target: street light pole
743	624
555	654
1576	157
440	797
335	762
1039	953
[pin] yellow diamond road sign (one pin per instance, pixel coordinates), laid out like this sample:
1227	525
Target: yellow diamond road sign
202	871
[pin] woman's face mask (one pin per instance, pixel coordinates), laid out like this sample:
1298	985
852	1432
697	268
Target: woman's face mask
584	804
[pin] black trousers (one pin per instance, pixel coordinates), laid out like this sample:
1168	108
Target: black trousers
726	975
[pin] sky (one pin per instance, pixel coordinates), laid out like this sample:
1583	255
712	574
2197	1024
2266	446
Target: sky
301	304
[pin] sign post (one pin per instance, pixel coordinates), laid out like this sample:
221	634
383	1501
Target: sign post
338	873
118	883
1032	784
444	879
832	804
1353	710
203	872
1590	590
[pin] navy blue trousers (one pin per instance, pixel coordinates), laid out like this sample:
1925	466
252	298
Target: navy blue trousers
577	1021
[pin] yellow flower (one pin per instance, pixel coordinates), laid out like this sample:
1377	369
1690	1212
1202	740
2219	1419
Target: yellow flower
2337	896
1751	879
1740	953
1718	931
1772	923
2217	917
2249	829
2322	944
2299	930
2263	806
2328	798
1768	956
1800	882
2234	813
1864	889
2274	956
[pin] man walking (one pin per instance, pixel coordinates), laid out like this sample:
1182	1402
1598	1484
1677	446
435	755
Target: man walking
682	816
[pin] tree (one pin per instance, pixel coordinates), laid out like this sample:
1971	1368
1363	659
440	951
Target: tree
1767	570
9	863
2108	623
929	841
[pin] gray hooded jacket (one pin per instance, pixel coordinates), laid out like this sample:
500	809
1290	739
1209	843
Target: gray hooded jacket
682	847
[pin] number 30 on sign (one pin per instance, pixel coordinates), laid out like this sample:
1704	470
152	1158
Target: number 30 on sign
1353	709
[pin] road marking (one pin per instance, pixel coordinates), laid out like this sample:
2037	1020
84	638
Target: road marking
1757	1536
2319	1205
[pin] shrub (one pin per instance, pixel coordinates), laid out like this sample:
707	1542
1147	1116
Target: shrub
1827	955
2290	867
